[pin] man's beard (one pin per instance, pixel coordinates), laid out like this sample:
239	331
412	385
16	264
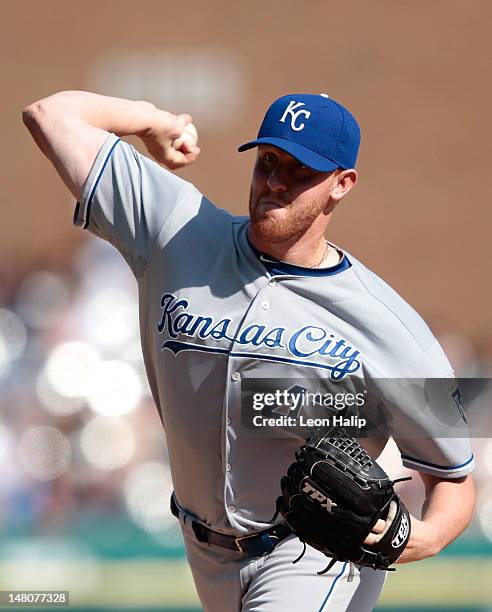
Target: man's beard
271	229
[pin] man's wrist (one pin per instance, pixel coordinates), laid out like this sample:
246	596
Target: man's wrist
424	542
155	122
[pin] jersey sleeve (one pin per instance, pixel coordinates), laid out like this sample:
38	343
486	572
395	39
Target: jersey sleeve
427	419
128	198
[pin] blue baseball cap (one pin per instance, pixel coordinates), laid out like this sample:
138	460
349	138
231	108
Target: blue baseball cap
319	132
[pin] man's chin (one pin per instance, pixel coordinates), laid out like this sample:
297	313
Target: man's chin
271	230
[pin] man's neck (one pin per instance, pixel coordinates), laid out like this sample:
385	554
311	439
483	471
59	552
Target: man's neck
306	251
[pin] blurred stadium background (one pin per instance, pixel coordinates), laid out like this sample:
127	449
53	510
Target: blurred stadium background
84	483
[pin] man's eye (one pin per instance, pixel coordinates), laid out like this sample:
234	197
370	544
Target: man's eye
269	158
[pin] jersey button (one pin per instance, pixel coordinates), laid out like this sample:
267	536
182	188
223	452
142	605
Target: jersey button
272	283
236	376
265	305
232	509
228	467
228	421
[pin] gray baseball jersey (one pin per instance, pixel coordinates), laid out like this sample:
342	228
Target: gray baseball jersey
212	315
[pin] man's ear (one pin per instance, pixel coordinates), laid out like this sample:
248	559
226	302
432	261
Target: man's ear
346	181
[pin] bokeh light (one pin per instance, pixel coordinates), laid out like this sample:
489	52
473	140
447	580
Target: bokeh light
4	440
5	360
110	318
42	298
210	82
70	368
54	402
116	389
147	491
13	333
487	456
107	443
45	452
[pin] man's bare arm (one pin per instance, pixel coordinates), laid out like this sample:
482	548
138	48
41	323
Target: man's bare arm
70	127
447	511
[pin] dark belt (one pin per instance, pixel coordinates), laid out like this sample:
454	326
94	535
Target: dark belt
253	545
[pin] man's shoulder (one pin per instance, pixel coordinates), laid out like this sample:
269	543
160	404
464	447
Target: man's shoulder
394	310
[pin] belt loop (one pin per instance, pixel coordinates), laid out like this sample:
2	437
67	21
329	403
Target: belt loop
200	533
173	506
267	542
177	511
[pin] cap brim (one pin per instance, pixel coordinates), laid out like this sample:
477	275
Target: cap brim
303	154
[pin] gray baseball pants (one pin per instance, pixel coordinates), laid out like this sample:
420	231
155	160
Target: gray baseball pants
227	581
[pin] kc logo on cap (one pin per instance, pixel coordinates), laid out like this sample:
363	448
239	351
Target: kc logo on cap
315	129
293	116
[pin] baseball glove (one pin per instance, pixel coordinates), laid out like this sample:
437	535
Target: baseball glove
334	494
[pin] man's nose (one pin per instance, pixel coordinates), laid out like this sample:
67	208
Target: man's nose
276	181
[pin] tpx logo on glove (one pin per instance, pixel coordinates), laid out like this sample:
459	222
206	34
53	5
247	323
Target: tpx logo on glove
402	533
317	496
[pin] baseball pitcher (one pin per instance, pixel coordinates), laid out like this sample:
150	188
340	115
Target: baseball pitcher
226	300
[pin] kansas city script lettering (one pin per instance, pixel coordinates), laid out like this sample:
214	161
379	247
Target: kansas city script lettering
305	343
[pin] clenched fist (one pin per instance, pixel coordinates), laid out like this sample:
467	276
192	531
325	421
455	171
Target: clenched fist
168	141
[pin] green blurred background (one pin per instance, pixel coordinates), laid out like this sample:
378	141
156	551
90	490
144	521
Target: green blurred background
85	483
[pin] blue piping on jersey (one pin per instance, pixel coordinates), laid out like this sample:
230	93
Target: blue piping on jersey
445	468
332	587
312	364
176	347
276	267
89	201
280	268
